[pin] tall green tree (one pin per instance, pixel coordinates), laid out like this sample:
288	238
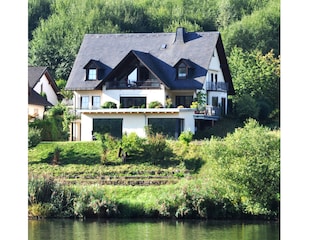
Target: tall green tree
57	40
257	75
37	10
259	30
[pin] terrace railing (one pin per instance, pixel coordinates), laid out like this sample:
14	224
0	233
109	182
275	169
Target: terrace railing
133	84
217	86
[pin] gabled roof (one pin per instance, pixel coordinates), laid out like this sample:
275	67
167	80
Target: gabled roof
157	51
36	99
35	74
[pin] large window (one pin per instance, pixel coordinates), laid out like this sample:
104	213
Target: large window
171	127
185	101
133	102
113	126
84	102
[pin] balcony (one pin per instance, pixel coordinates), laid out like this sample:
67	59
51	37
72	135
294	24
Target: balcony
217	86
210	113
147	84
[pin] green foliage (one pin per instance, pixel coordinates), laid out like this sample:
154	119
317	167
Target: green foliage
256	75
248	162
37	9
155	104
156	148
40	189
258	31
34	137
109	147
58	26
109	104
55	124
246	107
237	176
186	137
133	145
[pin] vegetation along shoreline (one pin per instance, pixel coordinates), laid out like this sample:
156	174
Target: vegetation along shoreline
235	177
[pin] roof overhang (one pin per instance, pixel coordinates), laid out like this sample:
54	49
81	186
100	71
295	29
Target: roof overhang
136	111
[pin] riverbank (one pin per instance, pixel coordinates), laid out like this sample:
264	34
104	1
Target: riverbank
211	179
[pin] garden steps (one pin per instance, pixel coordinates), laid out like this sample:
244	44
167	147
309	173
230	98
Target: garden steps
144	180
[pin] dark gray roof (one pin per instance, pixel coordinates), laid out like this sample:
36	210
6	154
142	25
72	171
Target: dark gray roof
36	99
36	72
159	51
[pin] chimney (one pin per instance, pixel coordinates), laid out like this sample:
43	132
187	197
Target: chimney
180	34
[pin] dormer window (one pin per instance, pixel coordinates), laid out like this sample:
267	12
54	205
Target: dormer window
92	74
182	71
184	68
94	70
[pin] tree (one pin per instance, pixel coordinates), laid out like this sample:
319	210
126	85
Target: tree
259	30
256	75
57	39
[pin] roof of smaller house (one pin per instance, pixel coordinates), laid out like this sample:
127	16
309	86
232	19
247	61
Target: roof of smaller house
36	72
36	99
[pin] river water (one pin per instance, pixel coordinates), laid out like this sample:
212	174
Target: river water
115	229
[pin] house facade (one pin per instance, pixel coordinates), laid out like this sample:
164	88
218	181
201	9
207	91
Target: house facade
123	83
42	91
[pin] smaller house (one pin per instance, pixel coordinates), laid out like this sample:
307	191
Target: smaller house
42	91
36	105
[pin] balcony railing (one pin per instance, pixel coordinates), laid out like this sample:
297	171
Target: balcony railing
217	86
133	84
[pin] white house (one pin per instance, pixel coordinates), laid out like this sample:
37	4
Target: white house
133	70
42	91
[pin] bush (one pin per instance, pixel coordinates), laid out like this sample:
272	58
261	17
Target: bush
109	104
34	137
156	147
186	137
155	104
132	144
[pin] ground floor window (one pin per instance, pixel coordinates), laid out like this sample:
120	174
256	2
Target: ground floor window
171	127
113	126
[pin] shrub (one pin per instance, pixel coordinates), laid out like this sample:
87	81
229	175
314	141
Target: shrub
156	147
40	189
109	104
132	144
34	137
155	104
186	137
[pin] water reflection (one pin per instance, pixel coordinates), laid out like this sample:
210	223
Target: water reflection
151	229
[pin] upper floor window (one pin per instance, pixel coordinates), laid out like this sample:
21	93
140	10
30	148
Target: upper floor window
84	101
92	74
96	102
182	71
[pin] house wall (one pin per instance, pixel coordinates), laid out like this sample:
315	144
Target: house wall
34	110
78	94
47	89
214	67
150	94
134	122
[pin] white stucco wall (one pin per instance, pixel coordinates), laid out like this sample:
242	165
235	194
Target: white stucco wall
36	110
46	88
135	122
151	94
